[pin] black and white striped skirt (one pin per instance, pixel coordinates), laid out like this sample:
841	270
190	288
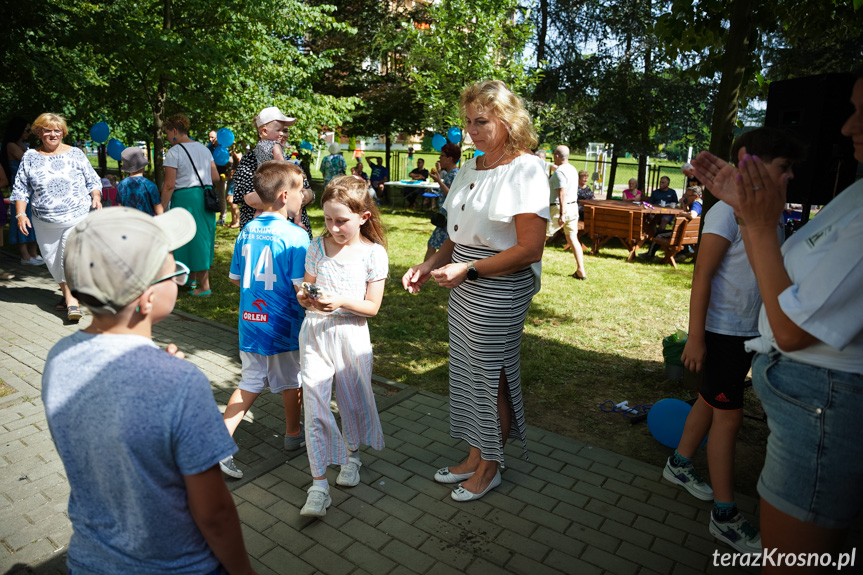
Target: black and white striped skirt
486	321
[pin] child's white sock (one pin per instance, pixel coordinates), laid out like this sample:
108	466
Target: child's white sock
355	455
321	483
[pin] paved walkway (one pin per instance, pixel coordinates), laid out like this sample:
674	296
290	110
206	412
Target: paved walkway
574	508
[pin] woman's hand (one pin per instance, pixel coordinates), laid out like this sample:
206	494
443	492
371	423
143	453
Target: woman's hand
719	177
23	224
415	277
761	199
450	275
694	353
436	177
96	201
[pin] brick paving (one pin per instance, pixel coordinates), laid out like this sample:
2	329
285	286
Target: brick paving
573	508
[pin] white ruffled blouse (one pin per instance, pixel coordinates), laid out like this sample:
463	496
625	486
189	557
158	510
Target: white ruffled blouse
481	204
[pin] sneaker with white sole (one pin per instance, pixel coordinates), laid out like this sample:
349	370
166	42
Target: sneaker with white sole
33	262
737	532
230	468
349	475
317	502
688	478
294	442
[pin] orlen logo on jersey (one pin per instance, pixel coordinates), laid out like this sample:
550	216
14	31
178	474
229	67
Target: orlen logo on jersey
259	317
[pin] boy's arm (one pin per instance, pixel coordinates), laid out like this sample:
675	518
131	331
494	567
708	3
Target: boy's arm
158	209
711	252
235	282
277	152
216	516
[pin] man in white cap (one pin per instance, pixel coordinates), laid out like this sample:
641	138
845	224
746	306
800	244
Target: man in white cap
137	428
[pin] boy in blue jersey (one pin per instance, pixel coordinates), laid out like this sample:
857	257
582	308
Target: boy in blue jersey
268	266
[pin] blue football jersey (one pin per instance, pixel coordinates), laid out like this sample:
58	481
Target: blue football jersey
270	252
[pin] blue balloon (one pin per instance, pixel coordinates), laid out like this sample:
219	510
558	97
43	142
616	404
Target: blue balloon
478	153
225	137
221	155
666	420
438	142
454	135
115	149
304	145
99	132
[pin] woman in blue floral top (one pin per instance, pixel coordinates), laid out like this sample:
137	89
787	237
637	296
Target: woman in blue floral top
61	187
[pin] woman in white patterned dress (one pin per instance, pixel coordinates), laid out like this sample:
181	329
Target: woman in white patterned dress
59	183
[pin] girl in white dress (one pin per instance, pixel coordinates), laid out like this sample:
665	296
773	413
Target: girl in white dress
348	266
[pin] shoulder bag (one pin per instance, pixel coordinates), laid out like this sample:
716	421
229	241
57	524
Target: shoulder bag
211	200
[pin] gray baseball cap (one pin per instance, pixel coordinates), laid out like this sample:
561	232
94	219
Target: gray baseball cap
114	254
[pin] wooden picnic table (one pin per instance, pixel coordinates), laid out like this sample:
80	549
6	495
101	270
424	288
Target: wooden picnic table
626	220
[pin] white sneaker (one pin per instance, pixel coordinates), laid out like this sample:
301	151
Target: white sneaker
38	260
317	502
31	262
737	532
230	468
686	477
349	475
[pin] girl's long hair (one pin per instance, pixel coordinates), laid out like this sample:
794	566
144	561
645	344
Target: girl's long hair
353	192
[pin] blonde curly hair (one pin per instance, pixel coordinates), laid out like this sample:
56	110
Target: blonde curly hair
49	121
496	96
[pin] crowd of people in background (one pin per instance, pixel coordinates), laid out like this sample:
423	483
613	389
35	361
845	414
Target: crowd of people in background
789	312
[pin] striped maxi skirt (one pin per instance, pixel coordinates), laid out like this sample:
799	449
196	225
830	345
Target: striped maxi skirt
486	321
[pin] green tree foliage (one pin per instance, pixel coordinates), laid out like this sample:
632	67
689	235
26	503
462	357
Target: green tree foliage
134	63
465	41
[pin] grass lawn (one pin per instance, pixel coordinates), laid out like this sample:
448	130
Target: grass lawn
585	342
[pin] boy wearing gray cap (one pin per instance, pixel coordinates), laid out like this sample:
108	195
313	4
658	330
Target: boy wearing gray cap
136	191
137	429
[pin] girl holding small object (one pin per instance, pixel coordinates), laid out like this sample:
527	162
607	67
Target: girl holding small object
348	266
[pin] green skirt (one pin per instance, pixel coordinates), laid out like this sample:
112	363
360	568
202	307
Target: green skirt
198	253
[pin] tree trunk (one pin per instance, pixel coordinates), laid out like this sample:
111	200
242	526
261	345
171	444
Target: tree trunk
733	70
543	32
388	144
612	174
159	109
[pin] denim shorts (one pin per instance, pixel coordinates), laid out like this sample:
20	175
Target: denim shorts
814	465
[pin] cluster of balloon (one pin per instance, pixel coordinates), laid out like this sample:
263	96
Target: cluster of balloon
115	149
453	135
666	419
225	139
99	132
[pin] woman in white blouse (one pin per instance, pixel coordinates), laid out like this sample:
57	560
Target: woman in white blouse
59	183
497	211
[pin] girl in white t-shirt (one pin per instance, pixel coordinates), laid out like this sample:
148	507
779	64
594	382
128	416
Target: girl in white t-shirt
348	266
723	314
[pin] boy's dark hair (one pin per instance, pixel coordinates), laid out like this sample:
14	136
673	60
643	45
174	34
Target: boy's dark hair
274	176
768	144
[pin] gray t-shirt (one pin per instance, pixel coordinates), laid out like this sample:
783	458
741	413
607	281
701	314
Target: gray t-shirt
202	158
565	176
129	421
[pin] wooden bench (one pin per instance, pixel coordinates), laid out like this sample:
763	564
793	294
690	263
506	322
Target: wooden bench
684	233
603	223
